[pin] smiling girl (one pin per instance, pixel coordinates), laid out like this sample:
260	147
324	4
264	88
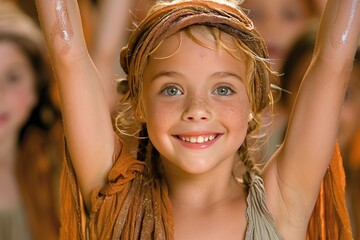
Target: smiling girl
198	81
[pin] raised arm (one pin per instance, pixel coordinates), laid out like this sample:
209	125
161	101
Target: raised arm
301	162
87	122
110	36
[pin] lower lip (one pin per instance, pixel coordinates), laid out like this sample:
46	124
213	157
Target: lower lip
198	146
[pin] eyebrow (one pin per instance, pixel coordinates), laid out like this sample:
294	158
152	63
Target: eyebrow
226	74
174	74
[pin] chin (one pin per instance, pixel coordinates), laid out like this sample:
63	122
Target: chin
193	167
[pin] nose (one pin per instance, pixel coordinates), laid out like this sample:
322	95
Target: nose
197	109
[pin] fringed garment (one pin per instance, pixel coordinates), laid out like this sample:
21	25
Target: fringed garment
130	206
133	205
330	218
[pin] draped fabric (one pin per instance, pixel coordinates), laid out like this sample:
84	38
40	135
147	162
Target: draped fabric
330	218
260	222
129	206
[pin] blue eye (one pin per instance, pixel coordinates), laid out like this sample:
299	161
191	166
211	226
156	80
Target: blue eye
223	91
171	91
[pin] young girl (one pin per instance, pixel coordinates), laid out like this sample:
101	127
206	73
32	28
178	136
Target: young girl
28	156
198	81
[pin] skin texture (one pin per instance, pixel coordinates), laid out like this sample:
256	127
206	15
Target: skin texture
197	108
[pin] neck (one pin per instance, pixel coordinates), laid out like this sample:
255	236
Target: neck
202	190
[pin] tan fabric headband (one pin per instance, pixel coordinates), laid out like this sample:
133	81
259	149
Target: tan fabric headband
171	18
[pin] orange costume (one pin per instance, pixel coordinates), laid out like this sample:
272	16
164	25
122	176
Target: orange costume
134	203
131	206
330	218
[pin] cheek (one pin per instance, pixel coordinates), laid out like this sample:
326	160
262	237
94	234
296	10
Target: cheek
160	119
160	115
236	114
22	102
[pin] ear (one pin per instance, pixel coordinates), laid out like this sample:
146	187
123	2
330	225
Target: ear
140	115
250	117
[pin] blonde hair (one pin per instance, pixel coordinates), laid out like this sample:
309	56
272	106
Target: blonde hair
216	19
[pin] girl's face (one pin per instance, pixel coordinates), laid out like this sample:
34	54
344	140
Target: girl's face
279	22
17	89
196	104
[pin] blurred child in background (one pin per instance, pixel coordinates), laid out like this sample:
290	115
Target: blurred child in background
29	146
280	22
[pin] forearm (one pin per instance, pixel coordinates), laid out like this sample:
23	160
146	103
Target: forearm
313	126
324	85
113	27
338	34
61	24
87	121
75	72
110	36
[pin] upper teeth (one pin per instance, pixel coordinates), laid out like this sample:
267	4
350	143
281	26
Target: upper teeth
199	139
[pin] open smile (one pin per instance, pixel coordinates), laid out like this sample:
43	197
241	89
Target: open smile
198	139
198	142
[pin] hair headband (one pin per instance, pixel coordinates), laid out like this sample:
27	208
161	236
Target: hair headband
169	18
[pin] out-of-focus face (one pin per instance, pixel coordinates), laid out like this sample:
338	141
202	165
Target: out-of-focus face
17	89
279	22
350	117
